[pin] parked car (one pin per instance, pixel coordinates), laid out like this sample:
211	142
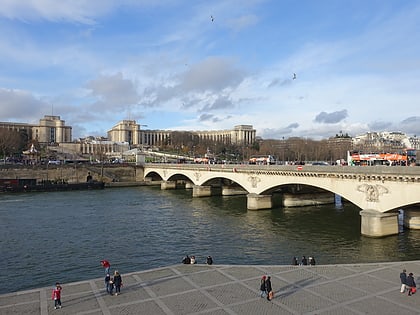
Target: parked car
320	163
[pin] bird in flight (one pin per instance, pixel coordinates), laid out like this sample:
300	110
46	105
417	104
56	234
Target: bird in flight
212	18
294	76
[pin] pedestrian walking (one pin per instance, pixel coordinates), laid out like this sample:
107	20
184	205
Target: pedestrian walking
56	295
295	261
411	284
209	260
403	278
117	282
304	261
268	288
263	288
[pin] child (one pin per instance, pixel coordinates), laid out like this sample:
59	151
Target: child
56	295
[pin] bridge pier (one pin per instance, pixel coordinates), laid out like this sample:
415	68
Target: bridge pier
307	199
259	202
378	224
232	191
168	184
412	219
189	185
202	191
172	184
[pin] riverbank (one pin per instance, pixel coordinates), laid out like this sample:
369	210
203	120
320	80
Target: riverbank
233	289
73	173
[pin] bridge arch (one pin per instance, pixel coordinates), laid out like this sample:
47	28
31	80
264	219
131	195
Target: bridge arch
377	191
374	192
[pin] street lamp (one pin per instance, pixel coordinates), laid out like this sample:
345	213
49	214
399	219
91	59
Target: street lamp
284	148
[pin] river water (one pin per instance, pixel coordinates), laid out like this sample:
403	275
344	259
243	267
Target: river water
62	236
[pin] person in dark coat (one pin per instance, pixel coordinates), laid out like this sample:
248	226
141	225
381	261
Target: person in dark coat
107	279
268	288
403	278
410	283
186	260
304	261
209	260
117	282
111	287
295	261
263	289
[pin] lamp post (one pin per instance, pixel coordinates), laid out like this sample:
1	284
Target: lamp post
284	148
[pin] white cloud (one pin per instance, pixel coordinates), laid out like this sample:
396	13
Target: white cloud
67	53
19	105
113	91
81	11
242	22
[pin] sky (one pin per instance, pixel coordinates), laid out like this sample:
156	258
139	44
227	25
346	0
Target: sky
212	65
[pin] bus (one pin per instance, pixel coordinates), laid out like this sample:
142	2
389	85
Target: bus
262	160
404	157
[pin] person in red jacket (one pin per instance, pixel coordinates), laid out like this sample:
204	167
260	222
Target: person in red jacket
56	295
106	265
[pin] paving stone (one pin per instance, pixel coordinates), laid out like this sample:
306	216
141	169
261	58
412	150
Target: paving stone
148	307
222	289
14	298
302	301
209	278
187	303
376	306
231	293
22	308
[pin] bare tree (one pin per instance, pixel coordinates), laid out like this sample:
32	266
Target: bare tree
11	141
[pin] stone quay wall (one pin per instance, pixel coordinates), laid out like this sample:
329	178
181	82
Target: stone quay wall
74	173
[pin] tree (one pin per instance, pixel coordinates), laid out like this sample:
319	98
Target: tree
11	141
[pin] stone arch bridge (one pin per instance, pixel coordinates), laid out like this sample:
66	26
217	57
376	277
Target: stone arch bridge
378	191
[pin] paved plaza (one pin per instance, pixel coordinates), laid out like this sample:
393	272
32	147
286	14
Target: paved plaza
232	289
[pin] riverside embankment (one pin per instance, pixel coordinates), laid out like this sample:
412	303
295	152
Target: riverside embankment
233	289
73	173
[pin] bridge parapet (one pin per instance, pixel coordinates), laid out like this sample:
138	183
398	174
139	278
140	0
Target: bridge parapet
361	173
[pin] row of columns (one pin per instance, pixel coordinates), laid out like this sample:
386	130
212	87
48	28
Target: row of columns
373	223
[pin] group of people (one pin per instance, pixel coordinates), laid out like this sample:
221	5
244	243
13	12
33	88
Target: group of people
304	262
407	283
266	290
114	282
191	260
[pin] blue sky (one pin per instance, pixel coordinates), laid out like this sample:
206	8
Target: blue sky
168	65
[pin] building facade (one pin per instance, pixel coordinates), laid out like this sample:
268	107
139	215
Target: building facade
50	130
129	131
